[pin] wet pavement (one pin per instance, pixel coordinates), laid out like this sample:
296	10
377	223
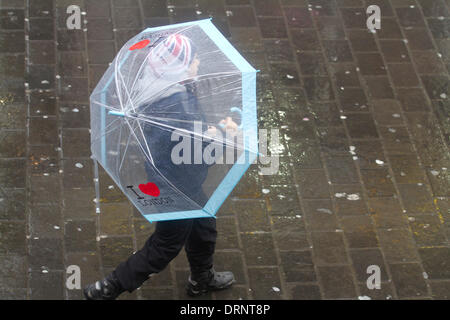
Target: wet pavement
364	159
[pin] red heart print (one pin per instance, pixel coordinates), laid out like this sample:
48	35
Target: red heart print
140	45
150	188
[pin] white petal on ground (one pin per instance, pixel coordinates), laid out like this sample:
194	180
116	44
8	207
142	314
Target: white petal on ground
353	197
434	172
324	210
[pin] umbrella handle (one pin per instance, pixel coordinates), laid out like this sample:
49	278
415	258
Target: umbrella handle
234	110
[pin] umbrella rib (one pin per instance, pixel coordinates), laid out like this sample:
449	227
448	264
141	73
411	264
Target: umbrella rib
120	137
158	93
139	71
142	64
106	132
129	99
137	140
196	136
171	105
145	118
224	85
119	95
186	132
131	64
124	153
145	140
163	176
104	105
204	96
126	91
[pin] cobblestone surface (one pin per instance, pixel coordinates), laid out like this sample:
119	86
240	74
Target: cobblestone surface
363	178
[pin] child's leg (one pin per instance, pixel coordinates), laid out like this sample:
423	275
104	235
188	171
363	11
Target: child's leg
200	247
163	245
200	244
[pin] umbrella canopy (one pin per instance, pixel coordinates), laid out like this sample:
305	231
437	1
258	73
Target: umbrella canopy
173	120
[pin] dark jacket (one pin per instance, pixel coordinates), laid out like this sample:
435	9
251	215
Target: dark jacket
183	105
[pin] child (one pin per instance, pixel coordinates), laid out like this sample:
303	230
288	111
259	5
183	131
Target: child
175	59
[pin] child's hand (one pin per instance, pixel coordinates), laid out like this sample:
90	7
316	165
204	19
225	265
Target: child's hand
229	126
211	132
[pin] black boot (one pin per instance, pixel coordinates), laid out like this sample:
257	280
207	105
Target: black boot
209	280
106	289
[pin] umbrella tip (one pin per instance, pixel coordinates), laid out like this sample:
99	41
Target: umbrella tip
258	70
116	113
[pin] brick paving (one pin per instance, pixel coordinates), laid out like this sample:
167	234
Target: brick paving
363	179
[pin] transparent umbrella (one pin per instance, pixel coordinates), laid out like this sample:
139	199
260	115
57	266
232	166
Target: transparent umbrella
173	120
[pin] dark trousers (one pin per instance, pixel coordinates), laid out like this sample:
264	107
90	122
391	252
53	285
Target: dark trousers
198	236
